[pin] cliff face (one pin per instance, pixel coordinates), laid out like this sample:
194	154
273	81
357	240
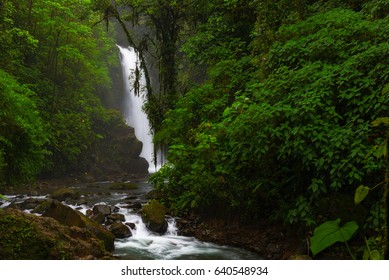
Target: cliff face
117	154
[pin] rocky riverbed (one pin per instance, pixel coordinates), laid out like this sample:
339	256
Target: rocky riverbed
90	219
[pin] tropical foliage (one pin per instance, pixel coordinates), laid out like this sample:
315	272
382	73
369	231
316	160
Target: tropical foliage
54	69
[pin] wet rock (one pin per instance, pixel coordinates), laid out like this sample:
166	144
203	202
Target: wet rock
120	230
136	205
131	225
98	218
153	215
89	213
103	209
131	197
115	209
33	193
63	194
30	203
42	207
116	217
82	201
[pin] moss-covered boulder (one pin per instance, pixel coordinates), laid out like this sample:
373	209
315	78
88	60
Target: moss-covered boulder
63	194
153	215
25	236
70	217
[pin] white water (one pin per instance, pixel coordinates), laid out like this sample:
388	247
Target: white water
132	109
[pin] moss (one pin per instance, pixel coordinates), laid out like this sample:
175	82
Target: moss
100	232
28	237
154	211
19	239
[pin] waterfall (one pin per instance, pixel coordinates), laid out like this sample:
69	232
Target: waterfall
132	109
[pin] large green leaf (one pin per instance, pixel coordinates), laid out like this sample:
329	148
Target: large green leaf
360	194
331	232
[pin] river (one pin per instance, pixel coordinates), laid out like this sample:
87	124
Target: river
143	244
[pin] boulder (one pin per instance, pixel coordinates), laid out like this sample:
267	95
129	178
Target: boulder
64	214
63	194
153	215
136	205
120	230
116	217
30	203
131	225
31	237
103	209
98	218
69	217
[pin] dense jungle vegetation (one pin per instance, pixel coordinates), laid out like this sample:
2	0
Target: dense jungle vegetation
275	109
54	78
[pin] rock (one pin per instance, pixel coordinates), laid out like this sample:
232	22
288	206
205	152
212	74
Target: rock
116	217
136	205
131	225
33	193
131	197
103	209
65	193
115	209
153	215
119	151
42	207
153	194
41	238
98	218
120	230
69	217
342	206
30	203
64	214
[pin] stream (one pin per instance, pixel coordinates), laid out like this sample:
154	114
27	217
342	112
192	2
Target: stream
143	244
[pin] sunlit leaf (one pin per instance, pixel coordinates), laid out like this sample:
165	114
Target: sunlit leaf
331	232
360	194
380	121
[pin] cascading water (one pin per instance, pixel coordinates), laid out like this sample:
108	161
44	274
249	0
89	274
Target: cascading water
132	109
143	244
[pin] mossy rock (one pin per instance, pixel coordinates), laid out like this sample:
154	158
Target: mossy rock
72	218
64	214
25	236
65	193
153	215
